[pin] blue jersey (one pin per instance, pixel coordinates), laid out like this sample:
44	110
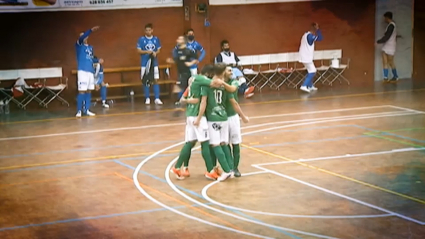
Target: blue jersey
84	54
148	44
98	74
195	47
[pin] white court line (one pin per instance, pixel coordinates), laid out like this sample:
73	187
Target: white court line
177	124
205	195
136	183
406	109
140	165
341	195
345	156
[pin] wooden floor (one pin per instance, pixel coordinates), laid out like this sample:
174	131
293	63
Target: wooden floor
338	164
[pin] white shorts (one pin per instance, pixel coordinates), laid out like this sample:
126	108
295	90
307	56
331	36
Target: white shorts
85	81
196	133
219	132
235	130
155	72
194	71
389	52
310	67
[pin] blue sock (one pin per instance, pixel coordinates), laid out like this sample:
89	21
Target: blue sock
147	91
103	93
80	100
385	73
88	101
156	91
395	75
309	80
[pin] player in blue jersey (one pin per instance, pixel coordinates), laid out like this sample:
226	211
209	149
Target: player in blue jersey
195	47
98	78
85	72
149	46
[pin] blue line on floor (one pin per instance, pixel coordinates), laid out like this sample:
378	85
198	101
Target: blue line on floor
389	134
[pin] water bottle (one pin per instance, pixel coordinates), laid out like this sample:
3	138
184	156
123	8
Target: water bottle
132	96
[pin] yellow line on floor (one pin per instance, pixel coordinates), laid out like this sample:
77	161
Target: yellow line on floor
247	104
81	160
336	174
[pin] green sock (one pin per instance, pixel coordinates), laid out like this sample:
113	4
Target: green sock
186	161
213	157
229	157
236	155
218	150
206	154
184	154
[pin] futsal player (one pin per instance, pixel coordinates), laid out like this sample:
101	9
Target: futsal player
389	41
231	59
306	54
196	47
85	72
149	46
196	126
98	78
217	118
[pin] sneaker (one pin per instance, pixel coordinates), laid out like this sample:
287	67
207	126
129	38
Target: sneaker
78	115
147	101
232	174
304	88
178	173
217	170
393	80
249	91
247	96
104	105
385	80
212	175
89	113
185	172
237	173
224	176
312	88
158	102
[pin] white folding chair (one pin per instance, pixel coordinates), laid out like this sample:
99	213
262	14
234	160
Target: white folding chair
6	96
265	73
335	73
54	93
247	68
321	68
298	72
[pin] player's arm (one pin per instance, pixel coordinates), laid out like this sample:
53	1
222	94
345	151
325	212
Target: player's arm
80	40
236	59
218	58
238	110
311	38
194	57
387	34
202	51
140	48
202	107
97	70
158	47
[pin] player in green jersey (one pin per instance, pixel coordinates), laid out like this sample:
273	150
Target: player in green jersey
196	125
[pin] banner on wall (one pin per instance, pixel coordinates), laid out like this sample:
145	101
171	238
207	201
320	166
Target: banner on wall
82	5
242	2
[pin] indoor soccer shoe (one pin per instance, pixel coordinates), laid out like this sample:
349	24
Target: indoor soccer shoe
212	176
217	171
237	173
177	172
185	172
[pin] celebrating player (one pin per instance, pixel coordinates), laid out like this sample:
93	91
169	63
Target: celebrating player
85	72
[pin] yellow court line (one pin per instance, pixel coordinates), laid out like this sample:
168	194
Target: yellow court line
336	174
81	160
247	104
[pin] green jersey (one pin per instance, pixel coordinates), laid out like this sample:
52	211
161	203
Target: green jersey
229	107
215	112
195	92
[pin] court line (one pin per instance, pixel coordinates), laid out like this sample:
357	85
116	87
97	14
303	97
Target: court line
53	180
344	156
177	124
407	109
394	140
335	174
246	104
138	168
212	201
340	195
384	114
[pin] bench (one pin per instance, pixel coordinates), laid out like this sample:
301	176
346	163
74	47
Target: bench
276	70
129	85
31	93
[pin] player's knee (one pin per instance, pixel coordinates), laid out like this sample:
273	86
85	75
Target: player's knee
242	80
192	143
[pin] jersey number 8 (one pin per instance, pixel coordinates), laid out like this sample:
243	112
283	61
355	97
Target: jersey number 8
218	95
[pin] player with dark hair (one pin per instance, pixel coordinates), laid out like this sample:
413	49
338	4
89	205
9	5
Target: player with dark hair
196	47
389	41
149	46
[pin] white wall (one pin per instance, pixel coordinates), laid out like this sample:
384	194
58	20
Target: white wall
403	16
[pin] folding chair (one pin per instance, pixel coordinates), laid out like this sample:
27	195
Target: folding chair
6	96
264	76
321	68
273	73
247	68
335	73
298	73
54	93
32	93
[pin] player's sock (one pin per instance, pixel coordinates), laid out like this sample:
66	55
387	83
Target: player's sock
213	157
186	161
395	75
80	101
229	156
184	154
88	101
147	91
103	93
156	91
218	150
205	150
385	73
308	79
236	155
